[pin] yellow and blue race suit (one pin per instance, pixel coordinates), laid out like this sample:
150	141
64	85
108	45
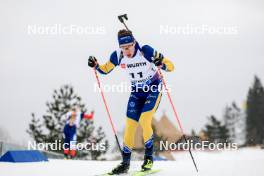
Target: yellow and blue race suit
145	95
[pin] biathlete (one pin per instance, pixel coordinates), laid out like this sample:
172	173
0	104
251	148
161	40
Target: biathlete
141	64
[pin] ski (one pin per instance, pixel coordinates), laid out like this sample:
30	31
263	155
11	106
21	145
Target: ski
109	173
148	172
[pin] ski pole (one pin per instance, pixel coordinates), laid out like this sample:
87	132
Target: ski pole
121	19
107	110
177	117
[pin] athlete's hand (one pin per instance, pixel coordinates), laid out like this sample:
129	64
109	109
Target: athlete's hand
158	60
92	61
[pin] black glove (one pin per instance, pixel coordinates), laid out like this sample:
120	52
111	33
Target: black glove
158	60
92	61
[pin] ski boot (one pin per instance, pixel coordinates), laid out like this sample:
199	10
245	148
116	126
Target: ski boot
148	163
120	169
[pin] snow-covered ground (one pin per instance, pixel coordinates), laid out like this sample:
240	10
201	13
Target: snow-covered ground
243	162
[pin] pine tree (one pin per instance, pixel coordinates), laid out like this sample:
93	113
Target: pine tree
49	128
215	131
234	121
255	114
35	130
100	136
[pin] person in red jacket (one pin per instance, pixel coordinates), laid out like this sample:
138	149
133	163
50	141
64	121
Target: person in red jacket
74	118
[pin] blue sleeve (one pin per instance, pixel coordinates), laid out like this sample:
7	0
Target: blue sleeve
148	52
114	58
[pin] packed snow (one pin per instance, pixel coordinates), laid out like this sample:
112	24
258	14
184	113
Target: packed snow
242	162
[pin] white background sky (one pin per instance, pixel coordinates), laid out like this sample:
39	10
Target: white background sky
211	70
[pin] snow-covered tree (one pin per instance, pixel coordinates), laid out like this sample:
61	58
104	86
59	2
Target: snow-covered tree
49	128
